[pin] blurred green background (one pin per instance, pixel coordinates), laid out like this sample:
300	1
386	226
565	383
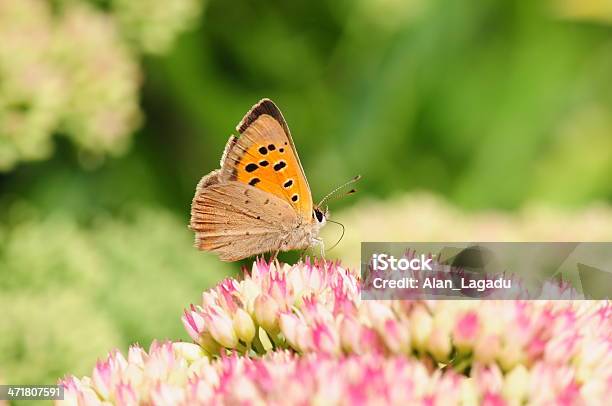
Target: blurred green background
111	111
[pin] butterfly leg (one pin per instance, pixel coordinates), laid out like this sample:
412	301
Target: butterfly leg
303	254
273	256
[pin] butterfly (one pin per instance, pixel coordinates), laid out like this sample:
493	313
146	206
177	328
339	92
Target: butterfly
259	200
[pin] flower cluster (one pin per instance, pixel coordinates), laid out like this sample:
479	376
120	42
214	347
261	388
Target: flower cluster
180	374
71	68
318	308
155	30
302	334
259	313
67	72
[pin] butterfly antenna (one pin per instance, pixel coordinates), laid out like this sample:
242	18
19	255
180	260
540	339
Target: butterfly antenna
333	192
341	236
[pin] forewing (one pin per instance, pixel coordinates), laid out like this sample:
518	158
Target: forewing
265	157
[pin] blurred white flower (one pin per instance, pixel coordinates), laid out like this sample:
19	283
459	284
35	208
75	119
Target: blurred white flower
65	72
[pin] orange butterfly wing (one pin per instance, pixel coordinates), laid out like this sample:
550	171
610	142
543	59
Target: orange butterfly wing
265	157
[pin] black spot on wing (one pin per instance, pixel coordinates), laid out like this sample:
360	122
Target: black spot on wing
288	184
279	165
295	198
254	181
251	167
271	147
263	150
263	163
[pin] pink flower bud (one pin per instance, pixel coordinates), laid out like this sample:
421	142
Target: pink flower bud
193	322
188	351
487	377
510	355
266	313
486	348
102	379
466	331
136	355
165	394
125	395
439	345
516	385
222	329
493	399
325	339
396	337
350	335
244	326
421	325
296	332
289	327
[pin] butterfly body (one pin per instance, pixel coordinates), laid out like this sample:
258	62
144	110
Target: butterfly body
259	200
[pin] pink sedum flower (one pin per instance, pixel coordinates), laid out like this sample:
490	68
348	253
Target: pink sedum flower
301	334
316	307
169	374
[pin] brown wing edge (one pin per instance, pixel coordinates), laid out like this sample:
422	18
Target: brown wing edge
206	181
264	106
228	146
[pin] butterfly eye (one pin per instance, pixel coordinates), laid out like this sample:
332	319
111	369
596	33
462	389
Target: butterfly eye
318	214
